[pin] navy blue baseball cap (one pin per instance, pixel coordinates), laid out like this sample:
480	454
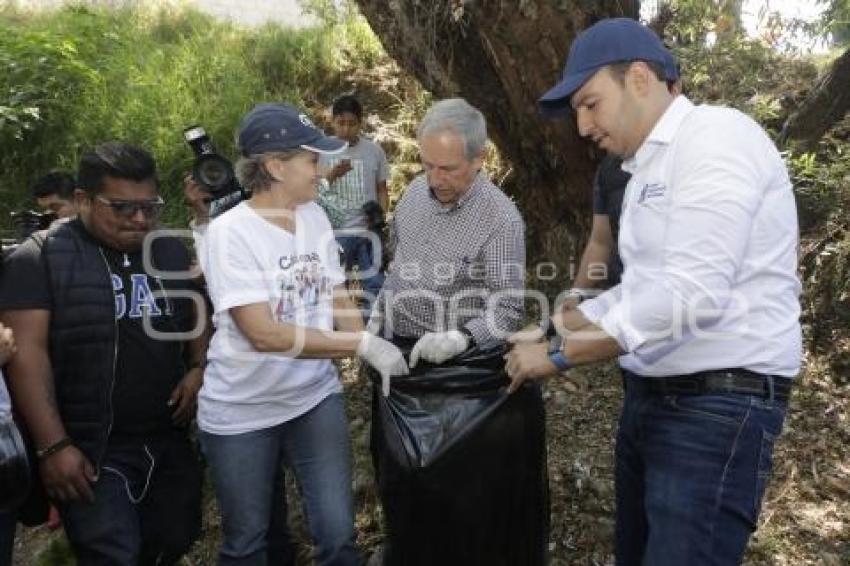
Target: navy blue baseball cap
281	127
609	41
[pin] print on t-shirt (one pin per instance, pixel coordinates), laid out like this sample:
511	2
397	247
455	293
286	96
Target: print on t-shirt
141	297
303	284
350	188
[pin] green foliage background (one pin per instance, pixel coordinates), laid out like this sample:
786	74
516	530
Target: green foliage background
80	76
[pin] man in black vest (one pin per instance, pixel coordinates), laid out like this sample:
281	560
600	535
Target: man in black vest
111	354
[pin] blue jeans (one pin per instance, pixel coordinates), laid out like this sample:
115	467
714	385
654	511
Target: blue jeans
147	505
243	467
690	474
358	251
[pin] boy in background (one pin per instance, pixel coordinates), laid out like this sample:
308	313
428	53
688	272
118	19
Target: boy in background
355	177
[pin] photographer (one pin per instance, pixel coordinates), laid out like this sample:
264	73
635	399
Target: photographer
54	193
105	399
271	393
357	193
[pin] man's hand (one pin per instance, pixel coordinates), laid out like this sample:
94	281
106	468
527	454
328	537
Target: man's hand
339	170
569	304
384	356
567	321
185	396
376	321
528	362
194	197
7	344
437	347
528	335
67	475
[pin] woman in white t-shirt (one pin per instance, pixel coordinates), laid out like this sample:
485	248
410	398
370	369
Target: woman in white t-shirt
271	393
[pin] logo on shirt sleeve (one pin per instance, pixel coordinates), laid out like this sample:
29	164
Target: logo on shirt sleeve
651	191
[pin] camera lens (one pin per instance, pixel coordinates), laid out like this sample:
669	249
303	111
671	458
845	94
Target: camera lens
213	172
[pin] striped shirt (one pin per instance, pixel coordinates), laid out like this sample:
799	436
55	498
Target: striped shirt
457	265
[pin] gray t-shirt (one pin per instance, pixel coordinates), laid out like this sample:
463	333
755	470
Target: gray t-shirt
344	198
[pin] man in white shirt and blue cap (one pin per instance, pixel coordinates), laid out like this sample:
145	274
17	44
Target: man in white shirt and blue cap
706	319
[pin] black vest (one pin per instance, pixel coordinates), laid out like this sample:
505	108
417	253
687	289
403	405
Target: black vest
84	332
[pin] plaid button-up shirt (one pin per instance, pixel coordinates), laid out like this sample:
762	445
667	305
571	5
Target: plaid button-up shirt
458	265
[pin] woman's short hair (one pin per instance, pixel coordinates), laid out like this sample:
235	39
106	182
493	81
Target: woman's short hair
251	171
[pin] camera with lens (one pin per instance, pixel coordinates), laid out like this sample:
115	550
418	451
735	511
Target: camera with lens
213	172
26	222
374	217
375	222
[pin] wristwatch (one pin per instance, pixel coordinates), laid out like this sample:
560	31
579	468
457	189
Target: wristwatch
556	353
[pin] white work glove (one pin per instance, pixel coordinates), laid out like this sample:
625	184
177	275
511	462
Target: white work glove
437	347
384	356
376	321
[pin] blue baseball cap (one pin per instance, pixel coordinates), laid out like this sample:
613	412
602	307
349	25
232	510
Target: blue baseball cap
281	127
609	41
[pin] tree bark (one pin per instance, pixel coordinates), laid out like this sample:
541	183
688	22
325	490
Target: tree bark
827	104
501	55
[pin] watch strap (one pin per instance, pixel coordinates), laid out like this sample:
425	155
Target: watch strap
53	448
560	361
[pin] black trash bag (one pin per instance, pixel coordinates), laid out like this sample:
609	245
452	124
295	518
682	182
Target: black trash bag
461	465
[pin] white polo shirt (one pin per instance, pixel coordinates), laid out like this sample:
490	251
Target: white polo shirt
708	238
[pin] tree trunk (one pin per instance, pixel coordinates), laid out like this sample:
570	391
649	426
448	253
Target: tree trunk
827	104
501	55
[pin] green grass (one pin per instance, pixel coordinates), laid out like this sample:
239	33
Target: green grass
79	76
57	553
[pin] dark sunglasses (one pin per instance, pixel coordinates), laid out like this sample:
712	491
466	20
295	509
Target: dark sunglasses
129	208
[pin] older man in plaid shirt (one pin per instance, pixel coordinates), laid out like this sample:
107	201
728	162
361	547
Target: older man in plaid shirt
459	264
456	282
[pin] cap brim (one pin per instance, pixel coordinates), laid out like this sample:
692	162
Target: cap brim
326	145
556	100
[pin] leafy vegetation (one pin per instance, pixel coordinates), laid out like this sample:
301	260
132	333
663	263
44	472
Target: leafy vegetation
79	76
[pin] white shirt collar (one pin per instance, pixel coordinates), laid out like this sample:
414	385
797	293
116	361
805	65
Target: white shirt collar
662	133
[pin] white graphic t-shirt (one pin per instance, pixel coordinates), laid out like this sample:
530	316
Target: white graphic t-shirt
249	260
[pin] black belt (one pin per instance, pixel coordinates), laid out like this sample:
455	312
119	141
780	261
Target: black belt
733	380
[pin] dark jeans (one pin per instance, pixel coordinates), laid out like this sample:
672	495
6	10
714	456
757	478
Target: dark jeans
147	505
358	252
690	474
280	550
244	467
8	523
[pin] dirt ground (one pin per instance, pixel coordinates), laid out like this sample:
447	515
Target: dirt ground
805	517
